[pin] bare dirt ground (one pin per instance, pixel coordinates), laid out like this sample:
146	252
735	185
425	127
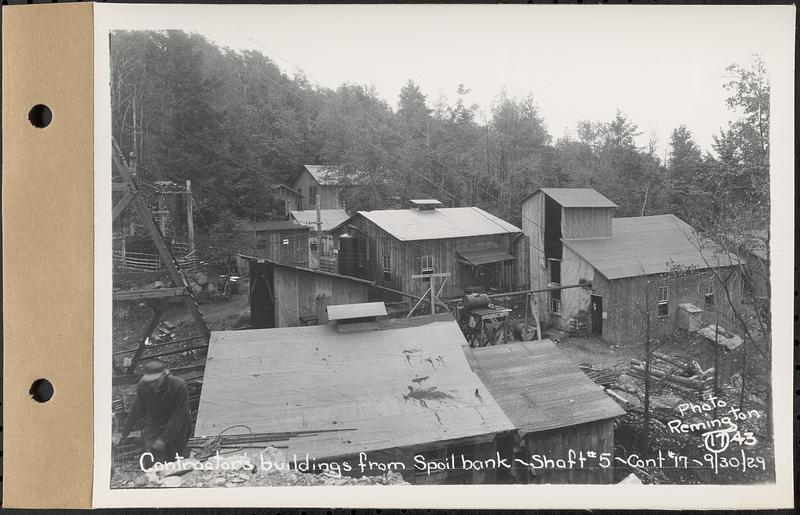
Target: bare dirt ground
131	318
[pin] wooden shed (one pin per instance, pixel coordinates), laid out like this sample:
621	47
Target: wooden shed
553	405
282	241
284	295
392	393
477	249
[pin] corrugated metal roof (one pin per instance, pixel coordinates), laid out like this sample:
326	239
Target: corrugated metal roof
539	388
387	388
577	197
442	223
275	225
359	310
330	218
326	175
482	256
648	245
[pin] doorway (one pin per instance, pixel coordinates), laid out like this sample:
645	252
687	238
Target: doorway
597	315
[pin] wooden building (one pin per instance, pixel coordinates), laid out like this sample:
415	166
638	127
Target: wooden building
391	392
282	241
477	249
322	180
291	199
284	295
638	267
325	252
553	405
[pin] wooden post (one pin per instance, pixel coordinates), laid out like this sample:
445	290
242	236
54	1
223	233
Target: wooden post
146	218
190	214
319	235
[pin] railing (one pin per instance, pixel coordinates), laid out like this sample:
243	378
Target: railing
142	262
136	262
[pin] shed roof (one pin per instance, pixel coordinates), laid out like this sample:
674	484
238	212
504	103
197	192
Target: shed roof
539	388
576	197
452	222
647	245
381	389
275	225
330	218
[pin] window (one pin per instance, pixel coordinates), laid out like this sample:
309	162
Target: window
387	267
286	241
312	194
426	264
710	296
555	302
387	259
555	306
663	301
261	244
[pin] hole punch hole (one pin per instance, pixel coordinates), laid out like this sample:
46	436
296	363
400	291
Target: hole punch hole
41	390
40	116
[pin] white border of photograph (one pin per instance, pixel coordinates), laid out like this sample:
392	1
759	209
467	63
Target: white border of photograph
774	26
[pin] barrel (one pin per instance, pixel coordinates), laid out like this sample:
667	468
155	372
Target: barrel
475	301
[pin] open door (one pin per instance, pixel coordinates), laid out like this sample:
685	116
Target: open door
597	315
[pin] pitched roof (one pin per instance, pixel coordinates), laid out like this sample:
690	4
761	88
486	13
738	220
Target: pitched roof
538	387
368	391
330	218
452	222
275	225
576	197
326	175
648	245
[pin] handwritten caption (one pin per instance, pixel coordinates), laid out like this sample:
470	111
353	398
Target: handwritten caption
717	434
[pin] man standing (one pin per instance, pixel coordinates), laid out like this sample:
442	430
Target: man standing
162	402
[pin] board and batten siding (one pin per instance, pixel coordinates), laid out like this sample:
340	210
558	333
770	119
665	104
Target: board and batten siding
404	259
597	436
573	300
299	292
328	195
586	222
533	229
624	302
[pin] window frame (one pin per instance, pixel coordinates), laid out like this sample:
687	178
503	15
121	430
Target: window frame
312	194
426	269
662	301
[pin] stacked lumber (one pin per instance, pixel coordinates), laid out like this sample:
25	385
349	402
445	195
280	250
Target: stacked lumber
681	376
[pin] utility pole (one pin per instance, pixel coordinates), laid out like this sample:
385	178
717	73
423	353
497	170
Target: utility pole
190	215
319	235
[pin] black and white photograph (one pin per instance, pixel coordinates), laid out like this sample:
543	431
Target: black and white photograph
444	245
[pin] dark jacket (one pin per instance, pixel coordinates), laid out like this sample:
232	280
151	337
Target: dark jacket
165	414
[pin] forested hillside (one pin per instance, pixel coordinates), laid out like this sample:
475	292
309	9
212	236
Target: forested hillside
235	124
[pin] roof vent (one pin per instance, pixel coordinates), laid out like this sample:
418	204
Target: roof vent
357	317
425	204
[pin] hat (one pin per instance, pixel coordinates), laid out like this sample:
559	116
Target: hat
153	370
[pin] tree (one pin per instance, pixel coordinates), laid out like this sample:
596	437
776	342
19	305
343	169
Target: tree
685	170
